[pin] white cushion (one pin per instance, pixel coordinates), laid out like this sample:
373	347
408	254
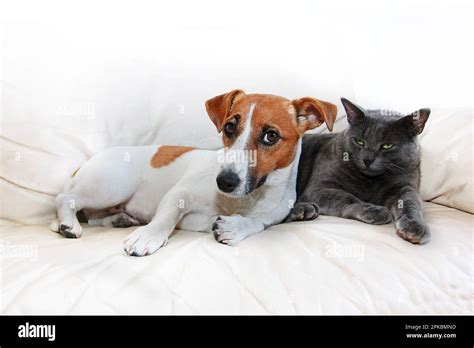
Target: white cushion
447	159
37	159
446	156
326	266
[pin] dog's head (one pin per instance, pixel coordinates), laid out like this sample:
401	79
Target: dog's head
261	134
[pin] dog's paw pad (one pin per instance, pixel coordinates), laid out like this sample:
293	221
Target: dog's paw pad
69	235
124	221
226	230
64	228
69	231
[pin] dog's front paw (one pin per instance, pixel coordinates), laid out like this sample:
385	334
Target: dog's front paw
412	230
68	230
303	211
228	230
144	241
375	215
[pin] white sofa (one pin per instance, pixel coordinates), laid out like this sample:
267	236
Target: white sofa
326	266
70	90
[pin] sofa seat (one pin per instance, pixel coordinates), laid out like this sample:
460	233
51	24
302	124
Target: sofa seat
326	266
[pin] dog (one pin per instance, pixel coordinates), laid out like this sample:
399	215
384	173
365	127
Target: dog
234	192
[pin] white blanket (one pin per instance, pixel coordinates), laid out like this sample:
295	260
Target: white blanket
327	266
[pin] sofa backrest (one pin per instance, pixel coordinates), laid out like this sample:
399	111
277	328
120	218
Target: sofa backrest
77	79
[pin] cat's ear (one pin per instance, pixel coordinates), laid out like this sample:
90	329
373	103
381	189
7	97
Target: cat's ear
414	123
354	112
311	113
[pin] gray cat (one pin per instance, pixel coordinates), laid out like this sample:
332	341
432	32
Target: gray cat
369	172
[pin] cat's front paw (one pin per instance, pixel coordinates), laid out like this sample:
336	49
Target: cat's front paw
303	211
412	230
375	215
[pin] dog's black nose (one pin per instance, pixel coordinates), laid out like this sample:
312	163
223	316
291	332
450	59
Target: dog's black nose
227	181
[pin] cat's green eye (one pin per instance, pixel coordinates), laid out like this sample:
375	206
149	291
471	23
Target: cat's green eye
387	146
359	141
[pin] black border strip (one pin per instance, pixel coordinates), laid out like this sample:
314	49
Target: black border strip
193	330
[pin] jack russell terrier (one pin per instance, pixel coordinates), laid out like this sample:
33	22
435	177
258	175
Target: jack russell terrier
234	192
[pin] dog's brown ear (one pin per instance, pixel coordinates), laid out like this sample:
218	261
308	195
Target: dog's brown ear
311	113
219	108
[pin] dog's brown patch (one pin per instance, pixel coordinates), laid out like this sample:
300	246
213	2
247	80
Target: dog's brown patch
270	112
278	114
167	154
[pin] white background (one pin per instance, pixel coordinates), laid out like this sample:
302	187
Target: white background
117	71
80	76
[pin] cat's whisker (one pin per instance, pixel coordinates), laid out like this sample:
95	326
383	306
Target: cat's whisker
397	169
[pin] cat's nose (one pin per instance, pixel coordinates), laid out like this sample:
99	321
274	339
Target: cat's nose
368	161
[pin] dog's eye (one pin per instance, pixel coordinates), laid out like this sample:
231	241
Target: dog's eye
270	137
230	127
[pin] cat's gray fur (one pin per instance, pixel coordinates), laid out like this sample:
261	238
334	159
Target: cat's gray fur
334	180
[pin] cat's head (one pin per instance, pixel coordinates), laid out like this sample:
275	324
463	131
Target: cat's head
382	141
